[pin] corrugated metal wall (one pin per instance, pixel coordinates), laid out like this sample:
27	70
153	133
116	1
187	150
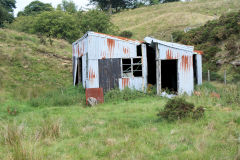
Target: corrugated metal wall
185	66
97	46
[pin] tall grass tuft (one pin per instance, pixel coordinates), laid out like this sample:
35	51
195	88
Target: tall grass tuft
12	135
61	97
49	128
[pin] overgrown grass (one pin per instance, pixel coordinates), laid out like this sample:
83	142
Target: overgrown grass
126	129
61	97
29	68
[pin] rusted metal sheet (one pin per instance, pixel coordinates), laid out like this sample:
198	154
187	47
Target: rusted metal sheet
184	55
95	93
109	73
103	46
131	82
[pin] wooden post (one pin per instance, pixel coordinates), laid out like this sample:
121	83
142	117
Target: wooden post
225	77
208	76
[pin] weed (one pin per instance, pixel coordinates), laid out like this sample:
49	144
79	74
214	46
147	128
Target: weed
12	111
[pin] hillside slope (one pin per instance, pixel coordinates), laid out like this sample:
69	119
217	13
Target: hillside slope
29	65
161	20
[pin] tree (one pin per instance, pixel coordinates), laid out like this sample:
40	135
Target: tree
108	5
6	11
97	21
34	8
67	6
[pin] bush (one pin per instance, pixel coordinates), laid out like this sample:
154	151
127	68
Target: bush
179	108
127	34
59	24
177	36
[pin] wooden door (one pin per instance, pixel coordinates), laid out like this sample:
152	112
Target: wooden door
109	73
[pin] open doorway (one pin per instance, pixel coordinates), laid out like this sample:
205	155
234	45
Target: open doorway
195	69
169	79
79	71
151	63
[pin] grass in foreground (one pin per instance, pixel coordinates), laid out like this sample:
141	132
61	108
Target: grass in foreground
127	129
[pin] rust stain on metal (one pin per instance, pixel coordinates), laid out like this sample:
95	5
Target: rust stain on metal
92	75
198	52
95	93
185	63
81	50
125	50
111	46
122	38
125	82
169	54
103	55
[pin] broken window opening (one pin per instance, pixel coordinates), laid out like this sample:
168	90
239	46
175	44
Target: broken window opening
139	50
127	67
137	67
132	67
169	78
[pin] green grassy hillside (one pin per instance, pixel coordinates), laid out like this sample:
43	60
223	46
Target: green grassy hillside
161	20
126	128
30	65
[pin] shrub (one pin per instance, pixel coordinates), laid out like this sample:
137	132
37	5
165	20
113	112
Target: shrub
127	34
231	45
177	36
179	108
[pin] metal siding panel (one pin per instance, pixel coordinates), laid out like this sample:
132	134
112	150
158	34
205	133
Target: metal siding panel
144	67
105	48
185	66
132	83
84	70
199	68
186	78
93	77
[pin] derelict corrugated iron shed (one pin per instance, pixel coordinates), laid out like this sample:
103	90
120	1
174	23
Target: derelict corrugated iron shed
105	61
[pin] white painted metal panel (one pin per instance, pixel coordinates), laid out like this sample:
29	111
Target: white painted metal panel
199	69
144	67
185	66
103	48
169	44
132	83
93	74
